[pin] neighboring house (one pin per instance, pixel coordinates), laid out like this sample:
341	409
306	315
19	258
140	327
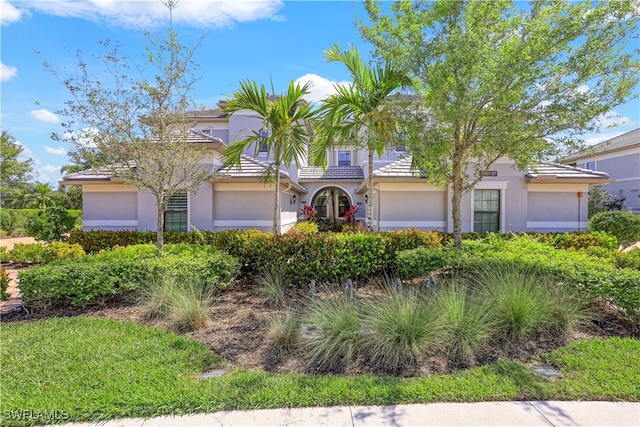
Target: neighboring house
545	198
619	157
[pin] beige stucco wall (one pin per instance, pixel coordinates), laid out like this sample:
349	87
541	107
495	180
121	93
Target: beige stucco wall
557	207
410	205
109	207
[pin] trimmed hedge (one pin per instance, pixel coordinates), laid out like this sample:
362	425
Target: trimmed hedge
40	253
114	274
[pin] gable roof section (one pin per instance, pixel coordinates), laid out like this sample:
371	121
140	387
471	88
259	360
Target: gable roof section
399	169
554	172
248	168
340	173
620	142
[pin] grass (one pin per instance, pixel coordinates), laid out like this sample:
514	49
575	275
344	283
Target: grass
96	369
403	328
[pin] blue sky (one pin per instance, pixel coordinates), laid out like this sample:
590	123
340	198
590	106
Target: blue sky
259	40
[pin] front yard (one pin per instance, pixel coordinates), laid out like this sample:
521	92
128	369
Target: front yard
443	333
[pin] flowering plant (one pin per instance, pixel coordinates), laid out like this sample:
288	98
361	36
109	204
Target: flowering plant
308	212
350	214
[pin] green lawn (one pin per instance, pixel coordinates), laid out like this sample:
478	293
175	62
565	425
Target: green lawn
93	369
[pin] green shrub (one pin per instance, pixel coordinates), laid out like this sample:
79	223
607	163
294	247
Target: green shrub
29	252
4	284
304	227
629	259
338	319
4	254
465	320
400	328
39	253
624	225
14	221
50	224
574	240
114	274
420	262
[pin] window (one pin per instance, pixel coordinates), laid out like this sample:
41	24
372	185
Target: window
262	140
400	148
591	166
175	214
344	158
486	210
206	131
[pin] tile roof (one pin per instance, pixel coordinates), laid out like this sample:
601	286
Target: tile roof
401	168
620	142
564	172
332	172
248	168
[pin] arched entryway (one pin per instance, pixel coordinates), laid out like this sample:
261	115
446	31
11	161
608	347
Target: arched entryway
331	202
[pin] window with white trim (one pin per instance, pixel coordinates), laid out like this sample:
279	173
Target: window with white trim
591	166
486	210
175	214
262	141
344	158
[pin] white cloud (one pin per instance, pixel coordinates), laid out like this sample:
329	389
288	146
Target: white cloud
147	14
321	88
7	72
9	13
611	119
60	151
602	137
47	173
44	116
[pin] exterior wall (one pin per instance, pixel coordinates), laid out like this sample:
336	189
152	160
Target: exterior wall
242	206
411	205
200	208
624	167
109	207
556	207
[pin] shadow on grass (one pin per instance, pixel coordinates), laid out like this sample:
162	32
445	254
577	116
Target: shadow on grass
529	384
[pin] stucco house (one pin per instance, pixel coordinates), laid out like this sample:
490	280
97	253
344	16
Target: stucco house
545	198
619	157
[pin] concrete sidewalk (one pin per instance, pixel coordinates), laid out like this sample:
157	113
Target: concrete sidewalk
432	414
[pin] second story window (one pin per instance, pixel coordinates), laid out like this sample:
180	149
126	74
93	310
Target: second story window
262	141
400	148
344	158
591	166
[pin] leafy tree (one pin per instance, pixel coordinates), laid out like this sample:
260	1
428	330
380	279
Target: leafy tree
14	173
50	224
136	127
285	119
500	79
359	113
600	200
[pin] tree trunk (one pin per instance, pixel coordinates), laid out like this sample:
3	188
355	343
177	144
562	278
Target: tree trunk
370	194
456	201
276	202
160	228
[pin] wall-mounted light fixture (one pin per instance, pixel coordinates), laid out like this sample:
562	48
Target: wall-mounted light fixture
366	198
292	200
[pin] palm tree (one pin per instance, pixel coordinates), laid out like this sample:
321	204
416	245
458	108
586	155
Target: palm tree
359	112
285	130
42	193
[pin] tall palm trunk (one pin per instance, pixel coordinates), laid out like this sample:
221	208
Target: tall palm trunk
276	201
370	193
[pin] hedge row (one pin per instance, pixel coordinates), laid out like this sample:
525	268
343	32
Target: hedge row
112	275
14	221
598	277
